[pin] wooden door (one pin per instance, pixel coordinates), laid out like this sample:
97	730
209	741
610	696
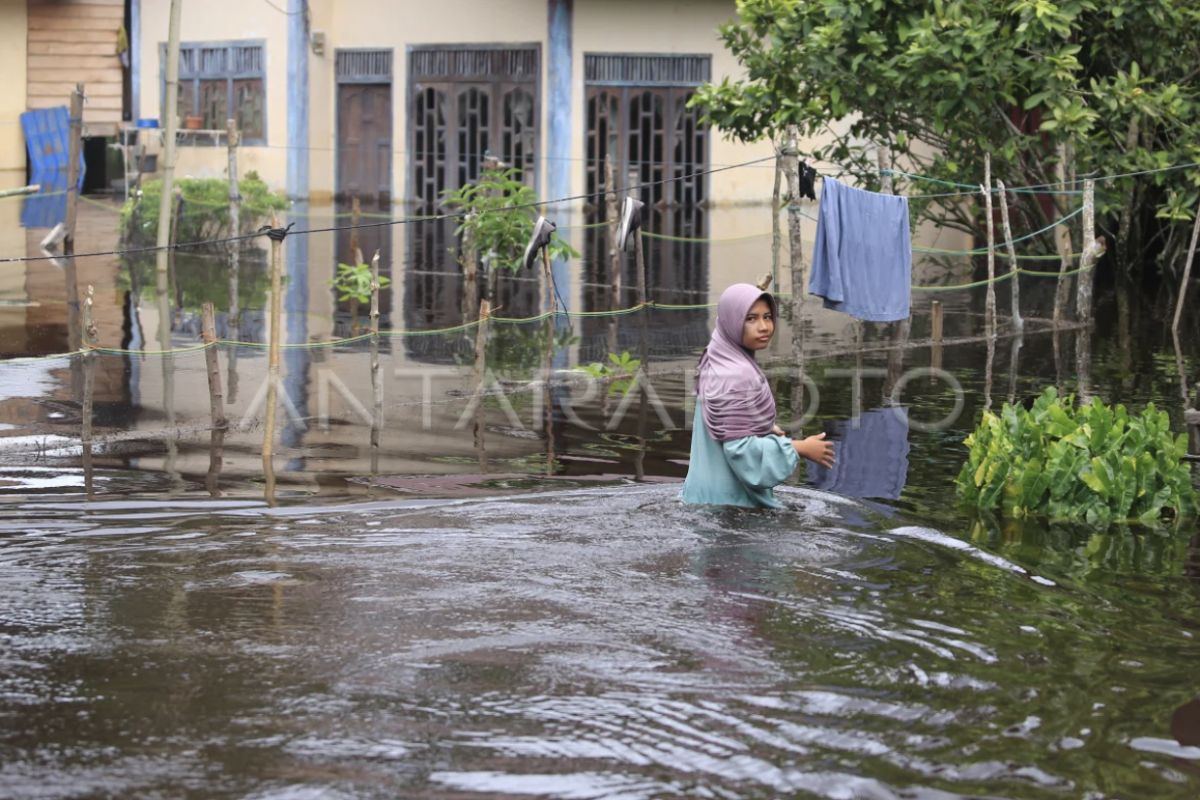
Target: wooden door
364	154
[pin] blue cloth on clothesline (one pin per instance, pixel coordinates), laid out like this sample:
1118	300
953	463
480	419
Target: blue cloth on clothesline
862	259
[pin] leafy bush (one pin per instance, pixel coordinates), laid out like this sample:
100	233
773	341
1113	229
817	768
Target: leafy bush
205	208
1093	463
496	229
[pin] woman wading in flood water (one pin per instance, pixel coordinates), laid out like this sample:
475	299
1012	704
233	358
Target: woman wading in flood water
739	453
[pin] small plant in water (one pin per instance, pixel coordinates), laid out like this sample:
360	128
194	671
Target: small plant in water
623	368
353	282
1092	463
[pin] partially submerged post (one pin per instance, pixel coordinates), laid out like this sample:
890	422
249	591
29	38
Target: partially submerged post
935	334
639	256
775	207
1062	236
1014	270
1093	249
990	305
171	102
613	223
208	334
791	168
232	139
1187	274
172	275
376	381
216	447
89	385
273	359
74	143
480	371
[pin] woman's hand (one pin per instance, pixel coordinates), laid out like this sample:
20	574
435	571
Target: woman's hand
815	449
778	431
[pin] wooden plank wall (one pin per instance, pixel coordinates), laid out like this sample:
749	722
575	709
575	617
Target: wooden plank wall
73	41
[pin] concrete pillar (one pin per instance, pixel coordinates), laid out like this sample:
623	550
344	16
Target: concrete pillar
297	106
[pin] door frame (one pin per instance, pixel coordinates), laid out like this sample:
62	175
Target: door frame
347	70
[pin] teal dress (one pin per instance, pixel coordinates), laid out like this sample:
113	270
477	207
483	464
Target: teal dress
741	472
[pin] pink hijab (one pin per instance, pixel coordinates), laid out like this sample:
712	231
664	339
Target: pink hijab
737	401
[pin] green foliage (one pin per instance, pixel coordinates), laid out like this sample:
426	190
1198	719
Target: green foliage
205	208
516	352
494	228
353	282
941	83
621	369
1093	463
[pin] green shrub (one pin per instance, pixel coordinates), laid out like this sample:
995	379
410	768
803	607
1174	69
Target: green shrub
1092	463
495	227
353	282
205	208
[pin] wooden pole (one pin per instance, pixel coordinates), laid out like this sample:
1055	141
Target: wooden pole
376	377
883	160
375	294
612	215
208	333
216	447
470	263
1018	323
791	170
480	371
89	387
548	365
639	254
171	120
273	361
776	238
172	275
990	307
232	140
935	334
1092	250
1062	238
355	221
74	144
1187	274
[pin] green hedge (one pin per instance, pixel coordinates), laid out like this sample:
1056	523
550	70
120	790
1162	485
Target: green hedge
205	208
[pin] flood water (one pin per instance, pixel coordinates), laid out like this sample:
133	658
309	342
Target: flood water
461	600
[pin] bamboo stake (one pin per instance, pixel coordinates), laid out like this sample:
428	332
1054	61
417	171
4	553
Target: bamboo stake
1093	249
639	255
273	362
883	160
172	275
1018	323
232	140
935	333
208	333
990	307
480	371
791	168
216	447
376	381
1062	240
74	143
170	118
612	214
89	388
355	221
776	238
375	293
548	366
1187	273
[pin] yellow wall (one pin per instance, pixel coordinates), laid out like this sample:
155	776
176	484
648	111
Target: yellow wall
220	20
12	94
